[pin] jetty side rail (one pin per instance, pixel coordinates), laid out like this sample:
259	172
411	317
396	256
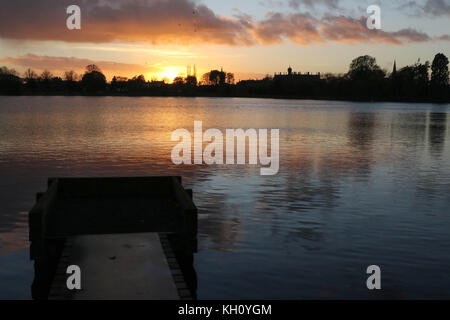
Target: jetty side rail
38	218
189	213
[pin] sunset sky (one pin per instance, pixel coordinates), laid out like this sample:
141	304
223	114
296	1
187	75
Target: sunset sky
159	38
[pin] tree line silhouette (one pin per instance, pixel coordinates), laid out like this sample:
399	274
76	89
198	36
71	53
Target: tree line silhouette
364	81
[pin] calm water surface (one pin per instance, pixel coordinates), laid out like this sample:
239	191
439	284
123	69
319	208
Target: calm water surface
359	184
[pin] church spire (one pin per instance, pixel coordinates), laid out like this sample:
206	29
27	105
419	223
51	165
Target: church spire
394	70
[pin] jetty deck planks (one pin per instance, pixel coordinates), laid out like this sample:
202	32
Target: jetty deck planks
117	267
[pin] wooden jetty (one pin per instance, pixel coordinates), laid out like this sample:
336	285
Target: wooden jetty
133	238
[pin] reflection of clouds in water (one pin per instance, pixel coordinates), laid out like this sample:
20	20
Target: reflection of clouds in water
352	180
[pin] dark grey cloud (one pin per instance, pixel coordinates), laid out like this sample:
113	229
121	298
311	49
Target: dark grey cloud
305	29
437	7
187	22
428	8
330	4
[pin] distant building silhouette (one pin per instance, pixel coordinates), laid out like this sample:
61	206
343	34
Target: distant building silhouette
189	72
295	76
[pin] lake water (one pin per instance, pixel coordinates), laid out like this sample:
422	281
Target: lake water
359	184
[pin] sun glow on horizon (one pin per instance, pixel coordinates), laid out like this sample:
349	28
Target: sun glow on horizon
169	73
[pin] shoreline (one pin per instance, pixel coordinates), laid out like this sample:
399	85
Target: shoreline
274	97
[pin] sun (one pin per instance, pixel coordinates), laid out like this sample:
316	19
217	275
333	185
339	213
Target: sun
168	73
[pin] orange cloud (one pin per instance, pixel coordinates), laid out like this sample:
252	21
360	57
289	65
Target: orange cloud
60	64
157	21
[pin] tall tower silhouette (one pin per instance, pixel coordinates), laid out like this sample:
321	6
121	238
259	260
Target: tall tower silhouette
188	72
